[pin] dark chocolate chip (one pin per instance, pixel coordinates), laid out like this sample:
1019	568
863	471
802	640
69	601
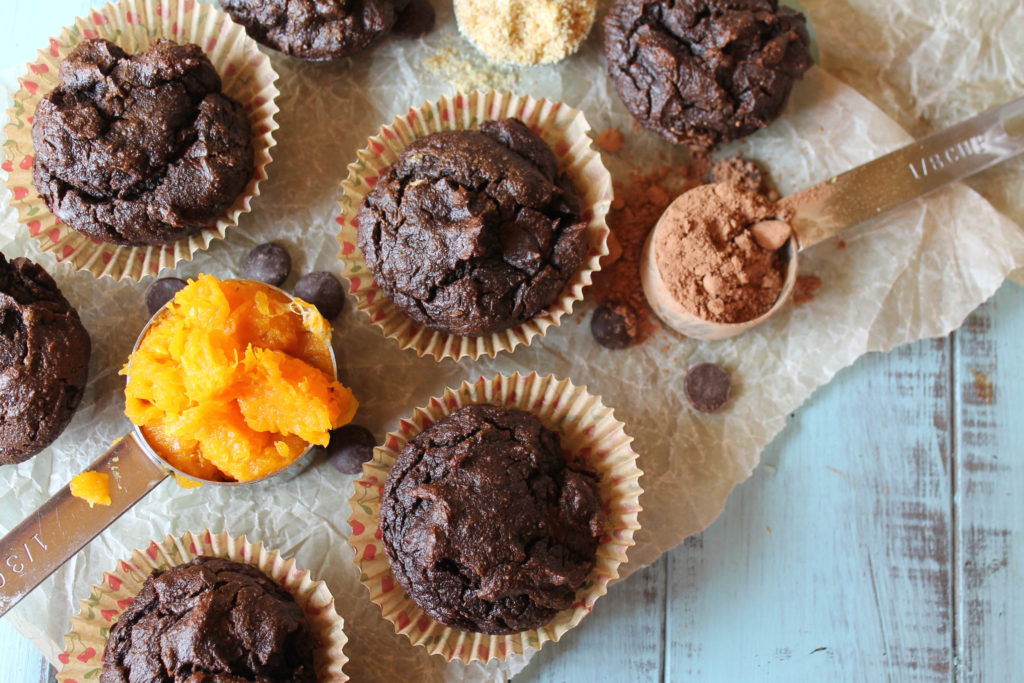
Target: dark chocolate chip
614	326
323	291
707	387
350	446
268	263
162	291
416	21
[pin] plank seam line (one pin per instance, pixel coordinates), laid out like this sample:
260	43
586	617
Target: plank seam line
954	509
665	603
878	611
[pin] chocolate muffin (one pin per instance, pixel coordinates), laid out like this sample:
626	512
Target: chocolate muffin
208	621
316	29
142	149
473	231
486	527
704	72
44	360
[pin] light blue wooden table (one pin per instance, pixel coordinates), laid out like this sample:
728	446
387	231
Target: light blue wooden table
880	539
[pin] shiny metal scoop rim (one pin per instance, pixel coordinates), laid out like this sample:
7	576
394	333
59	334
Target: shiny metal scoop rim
860	194
64	525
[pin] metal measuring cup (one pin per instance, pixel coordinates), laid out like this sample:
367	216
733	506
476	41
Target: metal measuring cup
64	524
869	190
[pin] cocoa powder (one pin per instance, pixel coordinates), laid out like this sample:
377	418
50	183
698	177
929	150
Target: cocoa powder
610	140
709	261
738	171
639	202
805	288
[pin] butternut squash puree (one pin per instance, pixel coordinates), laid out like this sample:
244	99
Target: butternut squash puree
234	381
92	487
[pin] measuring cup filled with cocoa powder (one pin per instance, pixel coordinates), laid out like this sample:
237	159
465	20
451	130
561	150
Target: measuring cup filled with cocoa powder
723	258
231	383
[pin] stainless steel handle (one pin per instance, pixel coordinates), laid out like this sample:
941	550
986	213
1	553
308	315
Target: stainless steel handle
65	524
907	173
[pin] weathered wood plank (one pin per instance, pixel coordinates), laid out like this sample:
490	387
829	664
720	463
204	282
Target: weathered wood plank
22	663
989	465
833	561
27	26
623	640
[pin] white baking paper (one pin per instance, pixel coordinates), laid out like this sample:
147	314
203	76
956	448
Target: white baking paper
929	64
916	273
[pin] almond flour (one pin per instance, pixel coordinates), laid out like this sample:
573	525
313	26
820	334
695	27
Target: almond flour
526	32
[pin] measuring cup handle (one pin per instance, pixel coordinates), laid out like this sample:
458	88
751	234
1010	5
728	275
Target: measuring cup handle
907	173
65	524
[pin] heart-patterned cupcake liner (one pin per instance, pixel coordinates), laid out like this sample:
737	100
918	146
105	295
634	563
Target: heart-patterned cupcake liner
82	659
247	76
563	128
589	431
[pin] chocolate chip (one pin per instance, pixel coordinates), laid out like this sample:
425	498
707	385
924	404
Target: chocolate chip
350	446
614	326
268	263
162	291
416	21
323	291
707	387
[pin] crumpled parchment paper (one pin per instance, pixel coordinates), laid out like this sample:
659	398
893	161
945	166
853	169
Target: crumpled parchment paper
913	274
929	64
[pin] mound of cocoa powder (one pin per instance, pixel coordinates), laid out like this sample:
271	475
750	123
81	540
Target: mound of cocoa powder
717	249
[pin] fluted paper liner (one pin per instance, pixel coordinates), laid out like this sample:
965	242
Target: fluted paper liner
563	128
589	431
247	77
82	659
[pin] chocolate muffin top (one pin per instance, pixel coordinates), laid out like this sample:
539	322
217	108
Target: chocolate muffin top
142	149
704	72
486	527
44	360
210	621
316	29
473	231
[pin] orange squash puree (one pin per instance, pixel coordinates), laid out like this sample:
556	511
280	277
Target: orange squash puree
234	381
92	487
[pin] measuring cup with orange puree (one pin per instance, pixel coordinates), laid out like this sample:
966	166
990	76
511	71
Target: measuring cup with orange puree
231	383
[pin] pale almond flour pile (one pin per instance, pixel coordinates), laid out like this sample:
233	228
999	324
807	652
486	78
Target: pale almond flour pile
526	32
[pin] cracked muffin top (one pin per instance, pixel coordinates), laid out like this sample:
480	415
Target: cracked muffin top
211	620
316	29
473	231
486	526
44	360
704	72
140	149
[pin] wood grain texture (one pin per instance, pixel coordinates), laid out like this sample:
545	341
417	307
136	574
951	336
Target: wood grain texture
989	468
27	25
22	662
622	640
833	560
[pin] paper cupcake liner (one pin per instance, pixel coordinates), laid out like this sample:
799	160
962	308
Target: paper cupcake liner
247	75
82	659
564	129
588	430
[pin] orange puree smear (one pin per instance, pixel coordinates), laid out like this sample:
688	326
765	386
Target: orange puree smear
234	380
92	487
